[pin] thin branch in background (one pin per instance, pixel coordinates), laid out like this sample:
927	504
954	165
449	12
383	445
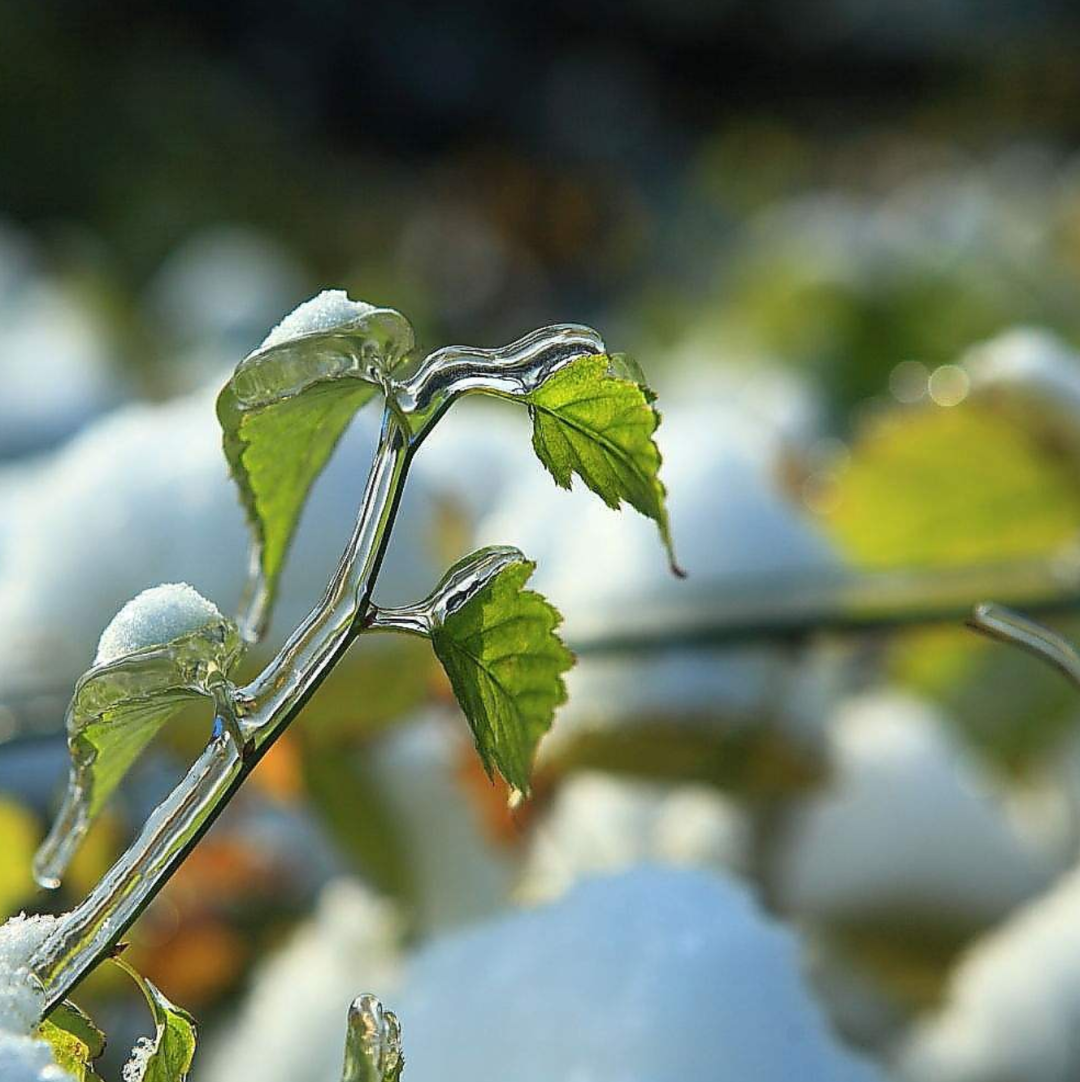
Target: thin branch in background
998	622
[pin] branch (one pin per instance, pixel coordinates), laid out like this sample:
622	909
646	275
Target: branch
265	708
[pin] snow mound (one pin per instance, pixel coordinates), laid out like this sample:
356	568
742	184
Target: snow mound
602	824
292	1025
653	976
326	310
907	824
1013	1002
154	617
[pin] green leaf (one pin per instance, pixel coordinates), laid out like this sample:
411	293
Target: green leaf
283	413
505	664
596	418
372	1043
117	709
167	1056
948	486
75	1041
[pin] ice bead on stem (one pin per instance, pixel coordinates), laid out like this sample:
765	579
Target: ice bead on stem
156	616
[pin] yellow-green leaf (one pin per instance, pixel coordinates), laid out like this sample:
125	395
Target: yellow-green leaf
75	1041
167	1056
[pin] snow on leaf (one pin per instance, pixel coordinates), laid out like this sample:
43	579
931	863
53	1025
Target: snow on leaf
167	1056
286	407
121	703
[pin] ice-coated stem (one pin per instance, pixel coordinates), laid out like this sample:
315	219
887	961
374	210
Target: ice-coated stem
998	622
265	707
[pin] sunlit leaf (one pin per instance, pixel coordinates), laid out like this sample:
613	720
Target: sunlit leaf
283	413
75	1041
950	486
167	1056
595	418
505	663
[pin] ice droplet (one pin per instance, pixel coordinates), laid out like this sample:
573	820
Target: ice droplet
372	1043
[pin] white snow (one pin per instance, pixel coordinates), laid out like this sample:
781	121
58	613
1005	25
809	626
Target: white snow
326	310
604	824
906	824
143	496
292	1024
154	617
1013	1004
653	976
23	1058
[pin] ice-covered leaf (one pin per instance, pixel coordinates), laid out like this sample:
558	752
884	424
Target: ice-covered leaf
74	1039
504	660
596	418
167	1056
284	410
163	649
372	1043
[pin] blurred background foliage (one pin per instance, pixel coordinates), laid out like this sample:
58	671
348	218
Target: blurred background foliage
846	235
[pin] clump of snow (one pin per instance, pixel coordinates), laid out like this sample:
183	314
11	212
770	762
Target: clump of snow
135	1067
292	1024
603	824
653	976
154	617
20	998
906	824
23	1058
1013	1002
326	310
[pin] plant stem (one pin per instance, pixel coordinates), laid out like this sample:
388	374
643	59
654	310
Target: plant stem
265	708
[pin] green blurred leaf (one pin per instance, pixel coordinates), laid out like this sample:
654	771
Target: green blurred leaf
595	418
283	413
116	710
75	1041
19	833
168	1055
944	486
505	664
974	484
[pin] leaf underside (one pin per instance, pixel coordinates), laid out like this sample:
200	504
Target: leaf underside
275	454
172	1048
589	420
505	664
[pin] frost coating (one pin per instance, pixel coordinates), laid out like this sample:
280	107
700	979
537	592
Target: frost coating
22	1057
157	616
326	310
